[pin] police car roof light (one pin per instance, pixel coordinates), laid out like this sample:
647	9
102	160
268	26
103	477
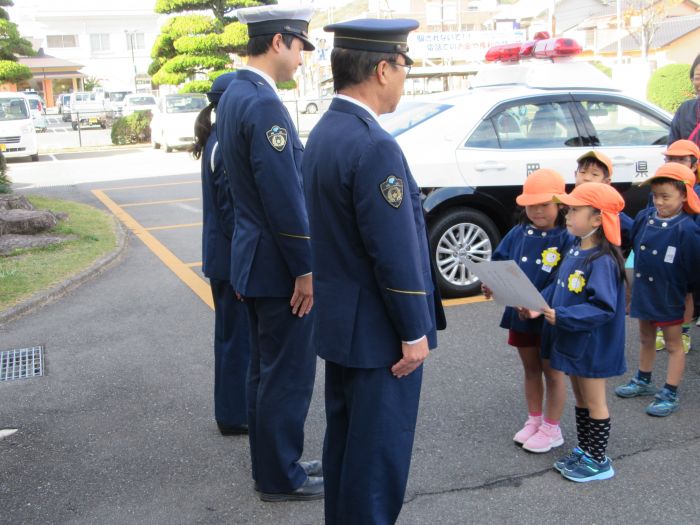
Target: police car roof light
504	53
556	47
527	47
541	47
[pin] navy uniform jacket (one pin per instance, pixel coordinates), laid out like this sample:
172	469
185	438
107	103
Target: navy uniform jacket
217	209
373	286
588	338
262	156
538	253
686	118
666	262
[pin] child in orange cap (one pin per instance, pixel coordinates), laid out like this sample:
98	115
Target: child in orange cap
584	335
684	152
536	245
687	153
594	166
666	242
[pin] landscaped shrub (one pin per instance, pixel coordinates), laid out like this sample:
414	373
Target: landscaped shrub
132	129
670	86
4	178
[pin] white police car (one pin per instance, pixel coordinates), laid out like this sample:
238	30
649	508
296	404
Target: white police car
470	152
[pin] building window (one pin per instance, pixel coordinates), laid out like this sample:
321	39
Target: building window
62	41
137	40
99	42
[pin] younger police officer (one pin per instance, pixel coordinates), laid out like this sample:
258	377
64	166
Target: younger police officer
271	252
375	304
231	330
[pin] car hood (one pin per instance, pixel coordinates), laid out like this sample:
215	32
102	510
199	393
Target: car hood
12	127
178	121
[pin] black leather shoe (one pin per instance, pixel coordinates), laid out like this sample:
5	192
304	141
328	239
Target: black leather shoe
311	489
312	468
235	430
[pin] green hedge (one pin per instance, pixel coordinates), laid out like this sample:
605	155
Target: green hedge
5	181
133	129
670	86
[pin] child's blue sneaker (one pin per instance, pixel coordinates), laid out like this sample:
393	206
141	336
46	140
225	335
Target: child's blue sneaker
588	469
665	403
568	460
635	387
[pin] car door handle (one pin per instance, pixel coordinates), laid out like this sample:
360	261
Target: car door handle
623	161
490	165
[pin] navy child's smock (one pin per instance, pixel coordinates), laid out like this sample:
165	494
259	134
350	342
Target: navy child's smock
666	262
538	253
588	339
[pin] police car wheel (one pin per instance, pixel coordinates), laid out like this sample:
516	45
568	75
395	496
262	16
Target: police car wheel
311	108
459	235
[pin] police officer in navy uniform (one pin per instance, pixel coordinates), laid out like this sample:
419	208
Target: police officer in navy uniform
271	251
231	331
376	306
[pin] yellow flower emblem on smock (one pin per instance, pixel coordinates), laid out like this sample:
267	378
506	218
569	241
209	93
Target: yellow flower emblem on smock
577	281
551	257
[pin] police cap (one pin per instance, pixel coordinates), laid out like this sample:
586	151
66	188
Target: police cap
219	86
373	34
267	20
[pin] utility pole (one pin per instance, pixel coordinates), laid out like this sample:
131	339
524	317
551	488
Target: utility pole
130	35
618	34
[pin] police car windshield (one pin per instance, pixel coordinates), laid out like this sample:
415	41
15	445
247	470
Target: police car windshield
410	113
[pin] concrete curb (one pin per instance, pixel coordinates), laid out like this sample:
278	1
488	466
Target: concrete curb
57	291
90	149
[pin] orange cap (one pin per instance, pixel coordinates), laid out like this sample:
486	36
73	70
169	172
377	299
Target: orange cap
597	155
540	186
602	197
682	148
675	171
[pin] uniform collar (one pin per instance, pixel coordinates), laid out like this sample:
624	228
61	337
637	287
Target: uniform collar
357	103
267	78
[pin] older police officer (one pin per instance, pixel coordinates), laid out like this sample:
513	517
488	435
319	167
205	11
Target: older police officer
374	293
231	331
271	252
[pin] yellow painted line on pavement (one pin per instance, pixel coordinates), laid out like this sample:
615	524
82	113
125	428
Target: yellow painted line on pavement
174	226
138	187
194	264
153	203
179	268
464	300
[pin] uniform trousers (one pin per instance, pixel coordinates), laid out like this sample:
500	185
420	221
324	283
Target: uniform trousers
370	424
280	383
231	355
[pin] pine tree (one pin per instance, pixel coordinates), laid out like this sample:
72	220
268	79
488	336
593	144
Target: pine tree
11	45
193	48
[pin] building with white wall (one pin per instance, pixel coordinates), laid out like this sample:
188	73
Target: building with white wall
111	40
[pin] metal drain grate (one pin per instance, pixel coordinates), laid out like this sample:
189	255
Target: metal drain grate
22	363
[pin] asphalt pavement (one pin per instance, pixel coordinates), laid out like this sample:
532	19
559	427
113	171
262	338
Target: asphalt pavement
121	429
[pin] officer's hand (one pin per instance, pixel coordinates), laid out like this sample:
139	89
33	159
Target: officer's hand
486	291
303	296
240	297
413	357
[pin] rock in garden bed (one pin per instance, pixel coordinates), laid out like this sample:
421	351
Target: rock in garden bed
10	243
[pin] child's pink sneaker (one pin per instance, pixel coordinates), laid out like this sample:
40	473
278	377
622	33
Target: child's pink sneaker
545	439
530	429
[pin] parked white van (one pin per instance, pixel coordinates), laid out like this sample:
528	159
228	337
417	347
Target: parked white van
17	133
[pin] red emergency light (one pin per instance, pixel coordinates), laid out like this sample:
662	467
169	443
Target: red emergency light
541	47
556	47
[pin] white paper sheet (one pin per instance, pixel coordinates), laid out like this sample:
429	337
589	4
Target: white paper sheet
509	284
